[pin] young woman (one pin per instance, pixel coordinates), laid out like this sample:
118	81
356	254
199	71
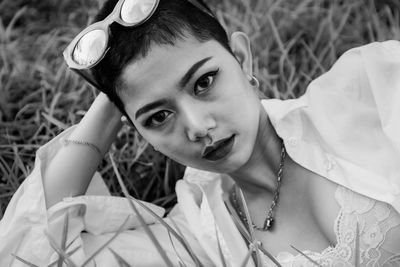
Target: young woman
321	172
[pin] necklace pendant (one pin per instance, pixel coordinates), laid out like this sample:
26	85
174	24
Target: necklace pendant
268	224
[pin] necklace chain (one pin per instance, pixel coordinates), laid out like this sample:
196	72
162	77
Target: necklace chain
269	220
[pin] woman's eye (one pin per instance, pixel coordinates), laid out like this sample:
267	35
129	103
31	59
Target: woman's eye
204	82
158	118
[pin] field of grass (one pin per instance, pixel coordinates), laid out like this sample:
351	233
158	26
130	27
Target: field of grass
293	42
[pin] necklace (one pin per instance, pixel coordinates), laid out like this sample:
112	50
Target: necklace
269	220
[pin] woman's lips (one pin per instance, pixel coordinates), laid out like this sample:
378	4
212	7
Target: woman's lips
219	149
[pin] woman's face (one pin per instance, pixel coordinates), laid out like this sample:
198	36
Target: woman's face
186	97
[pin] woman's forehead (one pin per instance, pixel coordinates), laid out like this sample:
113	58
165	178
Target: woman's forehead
165	65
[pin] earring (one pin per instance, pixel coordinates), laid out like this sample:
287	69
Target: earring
124	120
253	81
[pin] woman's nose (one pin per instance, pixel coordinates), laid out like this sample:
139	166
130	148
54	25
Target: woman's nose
198	124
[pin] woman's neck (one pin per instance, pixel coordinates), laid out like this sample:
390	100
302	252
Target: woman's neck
259	174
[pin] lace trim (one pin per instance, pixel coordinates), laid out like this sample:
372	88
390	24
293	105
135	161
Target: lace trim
373	220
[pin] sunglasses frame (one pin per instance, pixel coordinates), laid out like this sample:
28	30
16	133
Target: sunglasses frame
104	25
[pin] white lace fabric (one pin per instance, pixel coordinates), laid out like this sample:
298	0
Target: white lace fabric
373	220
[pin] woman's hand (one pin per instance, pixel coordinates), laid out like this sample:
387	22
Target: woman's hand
70	171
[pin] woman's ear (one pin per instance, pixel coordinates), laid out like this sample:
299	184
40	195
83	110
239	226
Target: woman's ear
240	45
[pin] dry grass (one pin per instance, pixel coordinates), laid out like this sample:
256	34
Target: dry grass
293	42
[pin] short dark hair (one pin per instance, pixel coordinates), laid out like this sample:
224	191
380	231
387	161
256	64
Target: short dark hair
173	20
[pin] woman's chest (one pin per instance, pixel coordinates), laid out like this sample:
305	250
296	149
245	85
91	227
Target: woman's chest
332	224
304	217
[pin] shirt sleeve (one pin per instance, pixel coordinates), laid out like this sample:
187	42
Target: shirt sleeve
92	219
382	66
353	112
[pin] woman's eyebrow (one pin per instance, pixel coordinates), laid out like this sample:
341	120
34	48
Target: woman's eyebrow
189	74
149	107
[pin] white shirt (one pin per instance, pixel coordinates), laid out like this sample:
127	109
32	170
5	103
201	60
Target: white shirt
346	128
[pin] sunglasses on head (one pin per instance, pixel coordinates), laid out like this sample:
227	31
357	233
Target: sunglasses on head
90	46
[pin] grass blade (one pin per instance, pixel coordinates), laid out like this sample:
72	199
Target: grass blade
68	253
146	228
13	21
178	230
221	254
181	261
308	258
119	230
65	257
242	201
64	237
183	242
23	261
120	260
150	234
357	247
269	255
393	259
242	229
246	235
247	258
54	121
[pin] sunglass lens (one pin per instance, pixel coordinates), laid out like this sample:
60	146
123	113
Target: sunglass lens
136	11
90	48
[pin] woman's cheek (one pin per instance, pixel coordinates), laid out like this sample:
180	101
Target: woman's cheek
168	148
